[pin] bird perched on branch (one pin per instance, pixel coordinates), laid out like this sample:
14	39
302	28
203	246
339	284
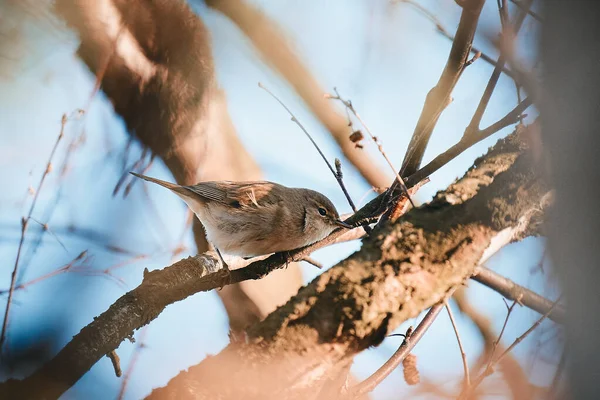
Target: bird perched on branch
249	219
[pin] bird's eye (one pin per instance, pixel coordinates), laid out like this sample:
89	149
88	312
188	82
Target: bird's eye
322	211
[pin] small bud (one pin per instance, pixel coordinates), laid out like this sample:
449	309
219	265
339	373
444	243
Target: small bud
356	136
31	190
338	168
49	168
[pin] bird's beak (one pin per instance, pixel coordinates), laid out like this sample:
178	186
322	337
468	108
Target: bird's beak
343	224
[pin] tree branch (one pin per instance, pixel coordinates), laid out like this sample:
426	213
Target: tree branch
438	97
400	270
522	295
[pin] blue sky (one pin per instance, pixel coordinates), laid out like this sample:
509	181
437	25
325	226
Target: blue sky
385	57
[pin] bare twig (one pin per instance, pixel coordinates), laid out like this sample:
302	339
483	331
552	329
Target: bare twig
396	359
468	141
294	119
489	368
473	127
460	345
513	291
528	331
348	104
65	268
438	97
477	53
46	228
466	392
24	225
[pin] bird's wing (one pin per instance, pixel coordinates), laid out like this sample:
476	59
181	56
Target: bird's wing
238	194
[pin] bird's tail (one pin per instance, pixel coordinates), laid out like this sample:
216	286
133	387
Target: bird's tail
174	187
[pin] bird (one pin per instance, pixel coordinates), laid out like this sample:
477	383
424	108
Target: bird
255	218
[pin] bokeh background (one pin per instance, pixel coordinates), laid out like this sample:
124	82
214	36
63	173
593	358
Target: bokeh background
383	55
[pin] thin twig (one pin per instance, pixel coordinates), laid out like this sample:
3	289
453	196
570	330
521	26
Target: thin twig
528	331
294	119
513	291
477	53
466	142
46	228
497	341
466	392
348	104
491	85
396	359
489	368
24	225
438	97
65	268
460	346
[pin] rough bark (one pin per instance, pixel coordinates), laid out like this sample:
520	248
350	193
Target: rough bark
401	270
155	63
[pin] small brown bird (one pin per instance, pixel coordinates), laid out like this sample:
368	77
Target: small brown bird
249	219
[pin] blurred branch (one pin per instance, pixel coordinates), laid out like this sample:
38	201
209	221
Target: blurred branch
513	374
489	368
438	97
154	62
270	42
474	126
522	295
526	8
